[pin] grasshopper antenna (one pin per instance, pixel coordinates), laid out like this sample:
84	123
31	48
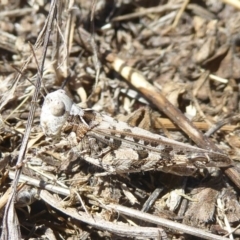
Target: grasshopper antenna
36	61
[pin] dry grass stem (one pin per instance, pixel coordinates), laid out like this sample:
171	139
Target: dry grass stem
131	73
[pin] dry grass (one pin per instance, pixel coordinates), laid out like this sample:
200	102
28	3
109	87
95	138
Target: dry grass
133	54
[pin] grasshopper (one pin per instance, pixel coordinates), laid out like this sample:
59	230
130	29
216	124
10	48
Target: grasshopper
117	147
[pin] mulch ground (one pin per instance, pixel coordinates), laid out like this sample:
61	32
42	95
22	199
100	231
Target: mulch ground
180	59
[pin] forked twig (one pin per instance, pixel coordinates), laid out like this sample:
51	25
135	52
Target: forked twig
10	229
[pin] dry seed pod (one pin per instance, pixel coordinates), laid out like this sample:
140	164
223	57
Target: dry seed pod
55	111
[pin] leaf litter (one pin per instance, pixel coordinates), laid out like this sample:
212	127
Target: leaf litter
187	50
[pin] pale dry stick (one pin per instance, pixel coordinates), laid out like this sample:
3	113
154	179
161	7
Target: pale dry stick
82	203
129	221
99	223
218	79
168	124
234	3
10	228
126	191
69	32
46	175
164	8
41	184
215	77
96	61
143	12
234	230
220	206
65	56
38	68
56	43
70	26
164	222
179	14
